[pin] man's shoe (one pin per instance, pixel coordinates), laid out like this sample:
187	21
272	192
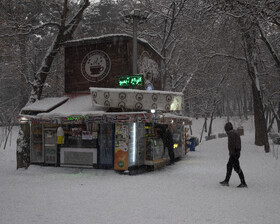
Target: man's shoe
224	183
242	185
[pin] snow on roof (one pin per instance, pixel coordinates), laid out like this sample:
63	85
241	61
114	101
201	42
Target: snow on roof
45	104
81	105
174	116
107	36
135	91
82	41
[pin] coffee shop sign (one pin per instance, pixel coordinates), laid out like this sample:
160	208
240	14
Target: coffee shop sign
96	66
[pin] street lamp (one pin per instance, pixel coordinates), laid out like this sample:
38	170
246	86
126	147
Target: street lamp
134	17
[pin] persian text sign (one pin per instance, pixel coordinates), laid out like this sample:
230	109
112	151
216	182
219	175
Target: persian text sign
128	81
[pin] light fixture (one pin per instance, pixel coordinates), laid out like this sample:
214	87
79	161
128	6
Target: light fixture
133	148
126	12
153	111
146	15
23	120
134	17
136	12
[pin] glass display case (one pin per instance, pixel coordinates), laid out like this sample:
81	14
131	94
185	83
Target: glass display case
136	144
50	146
79	142
154	149
79	148
36	153
80	136
178	140
106	147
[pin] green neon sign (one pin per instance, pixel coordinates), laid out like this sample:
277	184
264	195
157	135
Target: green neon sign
74	118
134	80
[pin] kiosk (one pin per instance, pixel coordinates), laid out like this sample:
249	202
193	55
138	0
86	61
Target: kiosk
96	138
107	118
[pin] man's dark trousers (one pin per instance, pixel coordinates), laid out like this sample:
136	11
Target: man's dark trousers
233	163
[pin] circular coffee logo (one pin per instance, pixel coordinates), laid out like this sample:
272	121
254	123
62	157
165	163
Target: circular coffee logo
94	94
96	66
169	98
154	97
167	107
154	106
106	103
139	96
122	96
121	104
138	106
106	95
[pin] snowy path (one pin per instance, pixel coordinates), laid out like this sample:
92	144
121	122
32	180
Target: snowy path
187	192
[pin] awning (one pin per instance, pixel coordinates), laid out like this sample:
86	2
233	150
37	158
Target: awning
77	106
137	100
44	105
81	109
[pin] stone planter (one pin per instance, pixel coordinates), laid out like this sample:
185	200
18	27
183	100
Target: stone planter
210	137
222	135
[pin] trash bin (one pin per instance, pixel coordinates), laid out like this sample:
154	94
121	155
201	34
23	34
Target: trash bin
191	144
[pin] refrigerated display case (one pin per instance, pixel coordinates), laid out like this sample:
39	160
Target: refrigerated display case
79	148
78	157
156	154
137	145
178	140
129	146
106	145
37	150
154	149
121	160
50	146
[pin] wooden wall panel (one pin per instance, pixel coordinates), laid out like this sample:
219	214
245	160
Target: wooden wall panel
120	53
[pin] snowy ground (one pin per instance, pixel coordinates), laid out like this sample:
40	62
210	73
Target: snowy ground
187	192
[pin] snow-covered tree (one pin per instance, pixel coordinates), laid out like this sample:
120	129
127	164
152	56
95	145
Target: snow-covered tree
249	15
56	21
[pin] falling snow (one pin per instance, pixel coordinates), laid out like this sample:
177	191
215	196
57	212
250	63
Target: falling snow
187	192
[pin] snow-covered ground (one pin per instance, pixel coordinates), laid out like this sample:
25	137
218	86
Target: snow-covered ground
187	192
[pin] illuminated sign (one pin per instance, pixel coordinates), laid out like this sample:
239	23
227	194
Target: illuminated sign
77	118
127	81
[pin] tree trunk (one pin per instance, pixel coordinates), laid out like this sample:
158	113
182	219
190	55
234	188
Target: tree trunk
228	107
65	33
278	120
211	121
43	72
271	49
23	146
259	118
245	107
275	115
250	47
23	68
239	105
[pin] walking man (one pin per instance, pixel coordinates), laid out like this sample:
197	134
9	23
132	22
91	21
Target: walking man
168	143
234	147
